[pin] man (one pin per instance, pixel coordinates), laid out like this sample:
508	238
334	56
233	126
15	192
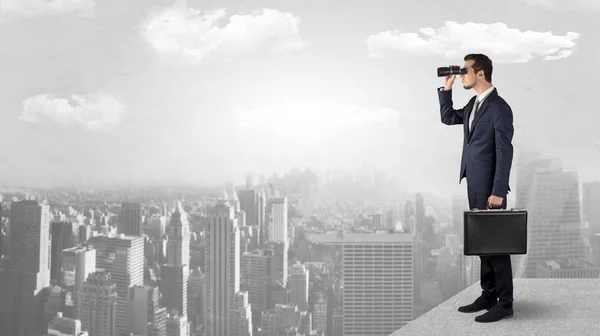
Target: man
486	162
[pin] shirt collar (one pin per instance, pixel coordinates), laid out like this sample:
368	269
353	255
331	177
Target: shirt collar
485	93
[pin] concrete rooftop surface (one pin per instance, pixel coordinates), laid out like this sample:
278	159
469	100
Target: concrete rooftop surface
541	307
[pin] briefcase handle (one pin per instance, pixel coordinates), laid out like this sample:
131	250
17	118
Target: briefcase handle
512	209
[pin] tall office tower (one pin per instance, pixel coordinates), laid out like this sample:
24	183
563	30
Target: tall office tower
77	263
554	220
299	287
262	211
175	274
242	315
320	313
98	309
278	224
147	317
65	326
197	296
256	278
378	282
378	221
28	272
222	269
249	203
526	164
174	287
64	236
123	257
178	243
591	210
130	220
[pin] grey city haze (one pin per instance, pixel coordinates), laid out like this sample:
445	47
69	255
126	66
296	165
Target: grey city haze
154	91
263	168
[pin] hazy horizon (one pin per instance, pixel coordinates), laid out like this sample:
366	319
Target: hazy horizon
195	91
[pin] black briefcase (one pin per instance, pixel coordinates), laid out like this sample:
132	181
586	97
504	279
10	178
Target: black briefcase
495	232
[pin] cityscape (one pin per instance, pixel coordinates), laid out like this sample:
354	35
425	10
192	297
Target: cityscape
261	168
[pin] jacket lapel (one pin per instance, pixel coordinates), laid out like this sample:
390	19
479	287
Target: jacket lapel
482	109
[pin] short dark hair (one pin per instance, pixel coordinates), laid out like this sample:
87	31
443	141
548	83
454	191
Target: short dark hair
481	62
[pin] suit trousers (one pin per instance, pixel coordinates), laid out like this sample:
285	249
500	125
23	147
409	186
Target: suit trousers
496	271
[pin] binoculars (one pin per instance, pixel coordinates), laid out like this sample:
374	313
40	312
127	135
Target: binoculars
451	70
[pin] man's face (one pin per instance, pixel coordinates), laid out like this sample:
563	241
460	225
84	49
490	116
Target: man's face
470	78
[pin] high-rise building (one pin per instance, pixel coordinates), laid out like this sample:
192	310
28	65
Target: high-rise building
249	203
242	315
77	263
178	244
278	223
591	210
28	271
299	287
222	269
554	220
147	317
256	279
123	257
378	282
64	236
98	308
175	274
130	220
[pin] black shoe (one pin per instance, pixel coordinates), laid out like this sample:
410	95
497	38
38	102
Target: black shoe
497	313
480	303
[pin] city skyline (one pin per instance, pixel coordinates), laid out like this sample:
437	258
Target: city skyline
268	86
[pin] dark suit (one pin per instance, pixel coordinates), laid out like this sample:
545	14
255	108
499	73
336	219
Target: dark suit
486	162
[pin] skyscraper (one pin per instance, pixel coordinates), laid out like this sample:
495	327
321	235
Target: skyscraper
130	220
98	310
175	274
123	257
299	287
378	282
28	273
178	243
249	203
278	224
222	269
554	220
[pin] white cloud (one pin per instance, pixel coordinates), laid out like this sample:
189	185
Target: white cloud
191	35
497	40
29	8
94	112
312	120
593	5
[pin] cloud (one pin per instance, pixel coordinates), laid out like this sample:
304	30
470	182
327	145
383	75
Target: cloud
190	35
94	112
312	120
501	43
561	5
29	8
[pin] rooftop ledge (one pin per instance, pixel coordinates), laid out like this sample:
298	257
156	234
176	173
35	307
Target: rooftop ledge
541	307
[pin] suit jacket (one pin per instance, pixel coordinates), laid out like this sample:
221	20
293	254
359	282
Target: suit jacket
487	149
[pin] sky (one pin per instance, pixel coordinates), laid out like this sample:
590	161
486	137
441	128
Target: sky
151	91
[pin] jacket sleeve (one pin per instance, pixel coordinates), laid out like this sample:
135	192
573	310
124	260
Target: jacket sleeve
503	126
448	114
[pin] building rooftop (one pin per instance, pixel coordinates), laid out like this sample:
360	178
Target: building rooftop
541	307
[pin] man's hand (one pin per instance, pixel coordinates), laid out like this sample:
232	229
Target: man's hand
449	81
495	201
